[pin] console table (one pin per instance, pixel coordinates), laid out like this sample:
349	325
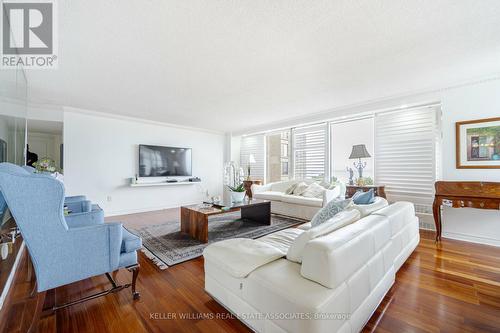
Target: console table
482	195
248	186
379	190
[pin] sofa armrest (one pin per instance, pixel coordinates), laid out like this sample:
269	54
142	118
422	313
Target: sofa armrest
76	220
84	206
338	192
260	188
105	240
74	198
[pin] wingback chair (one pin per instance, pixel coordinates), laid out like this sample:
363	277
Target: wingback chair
62	253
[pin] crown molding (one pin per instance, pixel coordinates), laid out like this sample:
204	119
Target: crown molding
69	109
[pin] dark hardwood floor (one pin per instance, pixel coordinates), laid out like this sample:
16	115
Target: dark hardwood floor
453	287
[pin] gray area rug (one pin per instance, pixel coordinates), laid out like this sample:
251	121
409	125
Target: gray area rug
165	245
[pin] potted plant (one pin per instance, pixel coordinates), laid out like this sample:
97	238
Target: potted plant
237	192
233	179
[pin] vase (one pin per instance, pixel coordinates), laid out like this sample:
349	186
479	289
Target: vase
237	196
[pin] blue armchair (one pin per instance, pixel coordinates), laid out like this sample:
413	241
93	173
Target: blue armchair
63	252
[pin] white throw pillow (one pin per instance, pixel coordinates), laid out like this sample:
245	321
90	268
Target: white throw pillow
300	188
340	220
366	210
291	188
313	191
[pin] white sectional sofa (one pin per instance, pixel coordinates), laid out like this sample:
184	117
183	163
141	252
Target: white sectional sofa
295	205
341	280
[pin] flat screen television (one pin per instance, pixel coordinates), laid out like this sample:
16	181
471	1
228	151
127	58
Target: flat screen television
160	161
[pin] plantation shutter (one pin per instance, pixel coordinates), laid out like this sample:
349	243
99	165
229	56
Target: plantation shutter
253	145
309	151
406	144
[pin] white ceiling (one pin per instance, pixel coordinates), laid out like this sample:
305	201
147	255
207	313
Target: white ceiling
44	126
229	65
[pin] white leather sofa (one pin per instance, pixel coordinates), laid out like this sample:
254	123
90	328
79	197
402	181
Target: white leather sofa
295	205
341	280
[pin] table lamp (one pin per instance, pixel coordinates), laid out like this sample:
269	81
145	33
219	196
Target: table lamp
359	152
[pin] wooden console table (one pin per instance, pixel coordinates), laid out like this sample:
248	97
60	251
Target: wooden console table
482	195
248	186
378	189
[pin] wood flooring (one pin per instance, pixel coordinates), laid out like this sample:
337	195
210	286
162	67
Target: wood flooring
451	287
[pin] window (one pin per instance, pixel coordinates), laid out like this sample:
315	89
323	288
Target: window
344	135
253	145
277	154
406	144
309	146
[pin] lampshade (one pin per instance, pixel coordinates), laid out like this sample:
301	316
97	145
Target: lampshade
359	151
251	159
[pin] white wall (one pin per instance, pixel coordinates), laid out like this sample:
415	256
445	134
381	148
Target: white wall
101	155
467	103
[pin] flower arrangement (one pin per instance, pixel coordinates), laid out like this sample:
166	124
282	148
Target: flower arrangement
233	179
45	165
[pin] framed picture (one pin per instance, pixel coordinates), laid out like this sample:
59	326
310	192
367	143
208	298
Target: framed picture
478	144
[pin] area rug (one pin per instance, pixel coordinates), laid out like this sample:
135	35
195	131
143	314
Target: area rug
165	245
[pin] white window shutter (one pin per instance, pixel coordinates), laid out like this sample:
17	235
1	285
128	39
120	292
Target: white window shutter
405	155
253	145
310	151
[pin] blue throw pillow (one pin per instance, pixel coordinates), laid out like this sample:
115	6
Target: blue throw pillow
363	198
330	210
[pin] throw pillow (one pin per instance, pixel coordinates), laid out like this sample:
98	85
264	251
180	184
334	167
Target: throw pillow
325	184
291	188
313	191
364	198
330	210
338	221
300	188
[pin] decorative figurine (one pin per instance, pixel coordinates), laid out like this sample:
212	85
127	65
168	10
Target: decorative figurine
351	175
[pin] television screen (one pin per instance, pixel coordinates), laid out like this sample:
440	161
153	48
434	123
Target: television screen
158	161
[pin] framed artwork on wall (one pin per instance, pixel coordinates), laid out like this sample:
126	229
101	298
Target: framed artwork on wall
478	144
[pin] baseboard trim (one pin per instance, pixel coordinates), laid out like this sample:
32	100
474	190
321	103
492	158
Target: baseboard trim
12	274
472	239
147	209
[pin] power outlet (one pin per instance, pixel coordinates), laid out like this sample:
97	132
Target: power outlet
109	198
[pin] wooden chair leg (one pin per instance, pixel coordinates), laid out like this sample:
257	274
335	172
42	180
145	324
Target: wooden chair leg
33	290
135	273
40	300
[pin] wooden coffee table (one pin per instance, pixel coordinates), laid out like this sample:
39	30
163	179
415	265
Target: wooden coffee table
194	218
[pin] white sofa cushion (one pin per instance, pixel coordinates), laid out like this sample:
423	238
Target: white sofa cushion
333	258
268	195
399	214
300	200
368	209
338	221
238	257
282	239
278	289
